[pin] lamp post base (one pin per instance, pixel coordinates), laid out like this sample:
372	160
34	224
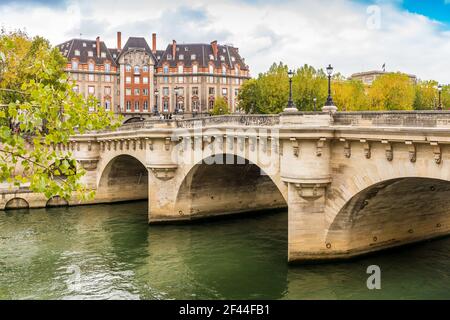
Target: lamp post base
330	109
290	110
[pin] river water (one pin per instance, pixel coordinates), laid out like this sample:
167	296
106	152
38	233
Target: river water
109	252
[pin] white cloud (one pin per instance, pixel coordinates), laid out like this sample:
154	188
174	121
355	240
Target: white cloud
295	32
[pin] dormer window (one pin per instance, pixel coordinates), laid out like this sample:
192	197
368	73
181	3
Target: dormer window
233	59
194	68
93	45
74	65
91	66
169	57
181	57
103	54
128	68
107	67
114	55
186	49
166	69
211	57
223	50
90	53
224	70
77	53
137	70
180	69
84	44
193	57
211	69
145	68
222	58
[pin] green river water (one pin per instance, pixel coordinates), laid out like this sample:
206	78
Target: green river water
109	252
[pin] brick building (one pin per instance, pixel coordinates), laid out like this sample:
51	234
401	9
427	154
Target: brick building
138	80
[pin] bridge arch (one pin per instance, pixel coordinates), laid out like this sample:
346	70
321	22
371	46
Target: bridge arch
133	120
226	183
390	213
17	204
123	178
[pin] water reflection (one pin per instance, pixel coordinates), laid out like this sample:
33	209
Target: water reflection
109	252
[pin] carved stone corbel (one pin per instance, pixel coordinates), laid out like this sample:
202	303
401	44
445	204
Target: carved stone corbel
347	148
127	144
90	146
437	151
121	145
295	147
367	149
320	145
311	191
389	150
167	144
412	151
164	172
89	164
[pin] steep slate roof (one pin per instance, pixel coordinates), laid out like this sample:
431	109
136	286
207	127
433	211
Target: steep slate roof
202	52
114	53
68	50
137	43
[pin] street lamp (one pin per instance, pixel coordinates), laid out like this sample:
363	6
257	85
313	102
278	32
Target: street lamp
329	99
315	104
440	97
291	106
156	102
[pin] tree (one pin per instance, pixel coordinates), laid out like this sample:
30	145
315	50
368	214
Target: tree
38	111
392	91
309	83
220	107
426	95
350	95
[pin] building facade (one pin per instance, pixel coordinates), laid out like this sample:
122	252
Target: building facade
93	68
139	80
369	77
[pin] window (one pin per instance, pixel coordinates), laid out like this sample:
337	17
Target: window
76	89
224	70
195	91
128	92
195	68
180	69
91	90
146	105
145	68
193	57
211	79
237	81
84	44
91	77
136	106
103	54
93	45
90	54
107	67
77	52
145	92
107	78
128	68
128	105
166	80
166	69
108	105
166	91
236	70
224	80
74	76
224	92
74	65
195	79
169	57
107	91
222	58
145	80
211	91
211	57
180	79
137	80
211	104
137	92
211	68
137	70
236	92
166	106
181	56
127	79
91	67
233	59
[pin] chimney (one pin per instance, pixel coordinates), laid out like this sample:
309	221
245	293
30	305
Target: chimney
119	40
98	47
154	43
174	49
215	48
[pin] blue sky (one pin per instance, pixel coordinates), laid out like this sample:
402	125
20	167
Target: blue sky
411	36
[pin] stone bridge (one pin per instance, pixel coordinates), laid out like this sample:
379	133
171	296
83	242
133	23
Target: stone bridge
353	183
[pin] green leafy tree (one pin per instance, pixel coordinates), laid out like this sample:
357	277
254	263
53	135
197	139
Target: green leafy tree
350	95
392	91
38	112
220	107
426	97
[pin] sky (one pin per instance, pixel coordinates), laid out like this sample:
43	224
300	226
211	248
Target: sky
411	36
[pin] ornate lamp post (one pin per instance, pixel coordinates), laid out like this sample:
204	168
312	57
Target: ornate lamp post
291	106
156	102
440	97
329	105
176	100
